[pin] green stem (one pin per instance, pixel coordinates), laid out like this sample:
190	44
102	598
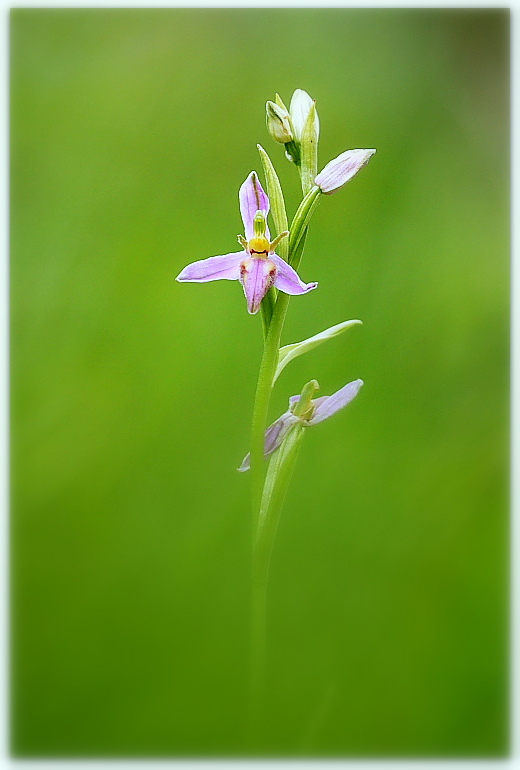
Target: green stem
277	482
267	308
264	388
268	493
300	223
258	626
263	537
263	396
267	499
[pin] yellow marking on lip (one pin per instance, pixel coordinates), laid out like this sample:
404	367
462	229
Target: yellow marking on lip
259	246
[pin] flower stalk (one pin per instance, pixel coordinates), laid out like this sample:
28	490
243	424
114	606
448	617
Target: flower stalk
264	387
267	268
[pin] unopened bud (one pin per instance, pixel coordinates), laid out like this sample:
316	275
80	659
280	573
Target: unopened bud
341	170
301	104
303	406
278	123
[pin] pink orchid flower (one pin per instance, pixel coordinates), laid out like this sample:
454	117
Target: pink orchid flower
257	267
317	410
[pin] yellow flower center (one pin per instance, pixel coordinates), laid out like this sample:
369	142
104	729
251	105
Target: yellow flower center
259	246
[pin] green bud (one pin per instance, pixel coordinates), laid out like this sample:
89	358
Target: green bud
304	405
278	123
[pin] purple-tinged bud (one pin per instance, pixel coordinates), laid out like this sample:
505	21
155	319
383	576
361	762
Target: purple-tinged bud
341	170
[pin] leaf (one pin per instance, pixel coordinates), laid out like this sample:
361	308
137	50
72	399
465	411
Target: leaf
309	151
300	223
274	191
289	352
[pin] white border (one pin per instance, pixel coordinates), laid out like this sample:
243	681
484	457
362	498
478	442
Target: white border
512	763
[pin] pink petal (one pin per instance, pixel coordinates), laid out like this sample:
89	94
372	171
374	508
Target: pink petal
257	275
274	436
226	266
252	199
326	406
341	170
287	279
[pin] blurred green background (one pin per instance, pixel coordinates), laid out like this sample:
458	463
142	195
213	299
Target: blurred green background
131	132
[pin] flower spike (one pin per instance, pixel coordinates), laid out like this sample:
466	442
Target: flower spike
257	267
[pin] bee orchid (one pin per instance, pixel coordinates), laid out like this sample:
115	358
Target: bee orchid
304	410
257	266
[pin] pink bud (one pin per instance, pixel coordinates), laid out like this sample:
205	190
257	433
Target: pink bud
342	169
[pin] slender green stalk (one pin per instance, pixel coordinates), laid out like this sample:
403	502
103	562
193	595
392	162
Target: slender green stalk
257	651
279	475
261	497
300	222
259	570
264	388
267	308
268	493
263	396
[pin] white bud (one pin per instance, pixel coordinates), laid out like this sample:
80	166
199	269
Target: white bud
301	104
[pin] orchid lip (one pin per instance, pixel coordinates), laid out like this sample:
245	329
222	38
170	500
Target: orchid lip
257	275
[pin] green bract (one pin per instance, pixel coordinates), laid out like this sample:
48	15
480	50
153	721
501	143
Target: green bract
289	352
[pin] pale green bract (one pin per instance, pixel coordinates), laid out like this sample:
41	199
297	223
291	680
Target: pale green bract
289	352
275	194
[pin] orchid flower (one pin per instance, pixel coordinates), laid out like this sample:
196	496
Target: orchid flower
305	411
257	266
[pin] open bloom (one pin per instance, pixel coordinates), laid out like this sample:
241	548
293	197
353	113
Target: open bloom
312	412
341	170
257	267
